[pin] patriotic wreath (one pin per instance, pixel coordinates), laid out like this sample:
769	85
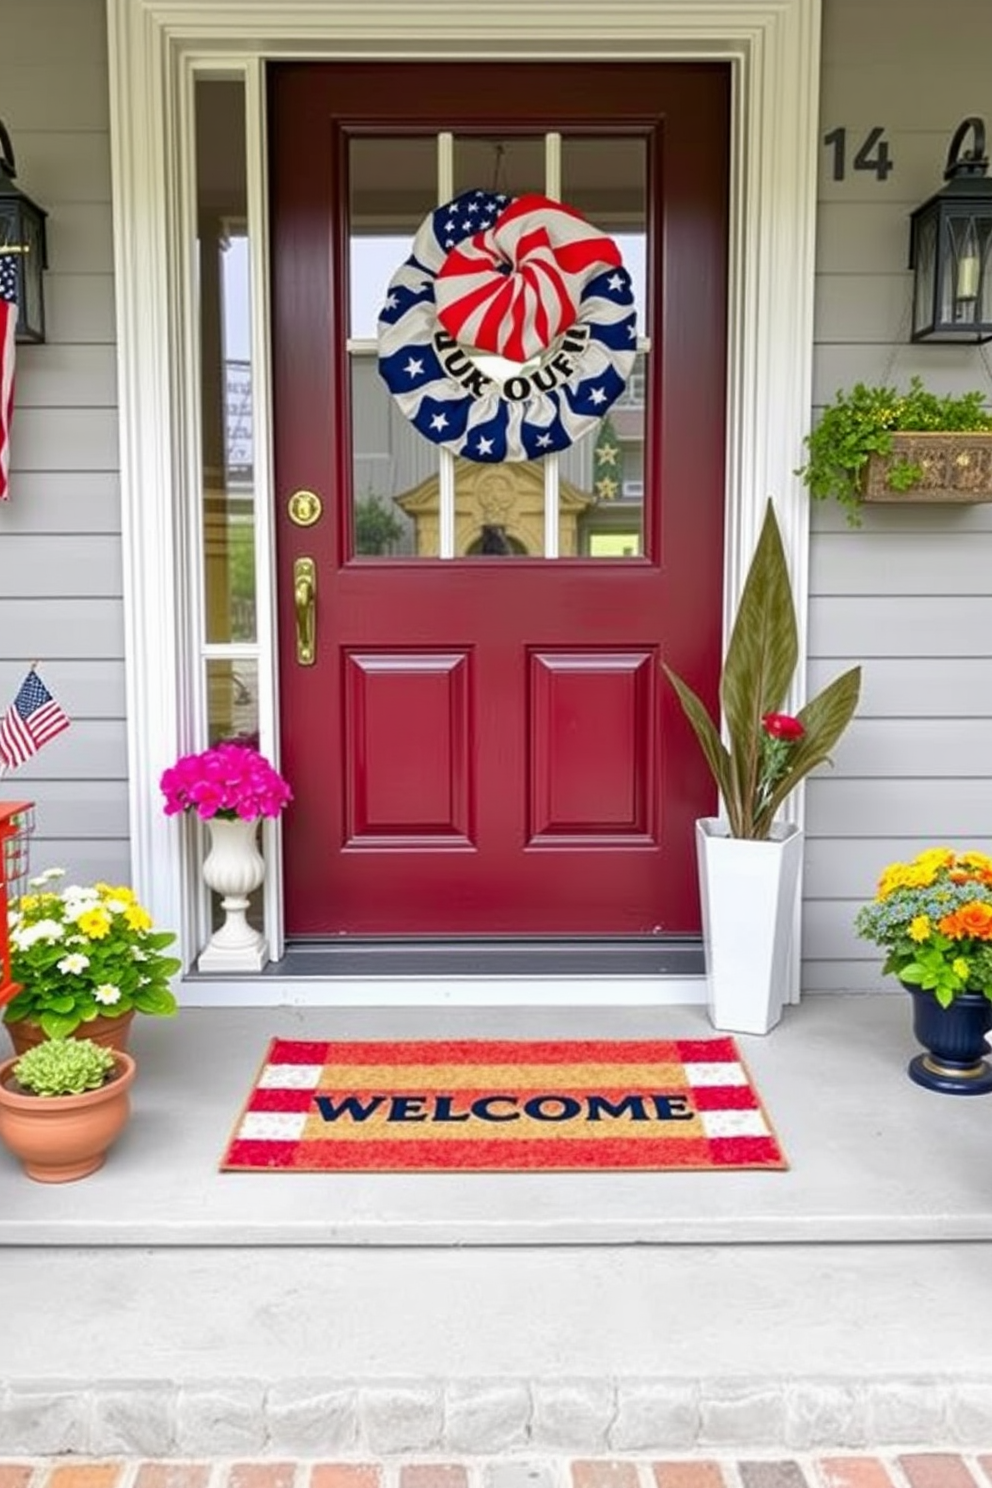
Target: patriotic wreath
523	278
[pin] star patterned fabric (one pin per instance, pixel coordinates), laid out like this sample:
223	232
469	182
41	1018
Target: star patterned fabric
588	347
8	329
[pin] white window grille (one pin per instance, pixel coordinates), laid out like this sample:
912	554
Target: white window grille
16	854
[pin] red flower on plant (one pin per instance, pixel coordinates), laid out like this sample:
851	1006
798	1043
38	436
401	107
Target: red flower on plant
782	726
228	780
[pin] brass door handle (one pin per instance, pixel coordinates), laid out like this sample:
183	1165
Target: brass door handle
305	602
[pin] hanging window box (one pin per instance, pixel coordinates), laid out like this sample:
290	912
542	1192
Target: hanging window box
931	467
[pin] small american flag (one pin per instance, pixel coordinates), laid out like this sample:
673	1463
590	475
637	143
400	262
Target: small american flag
32	719
8	326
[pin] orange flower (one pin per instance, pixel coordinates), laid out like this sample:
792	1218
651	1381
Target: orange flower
973	919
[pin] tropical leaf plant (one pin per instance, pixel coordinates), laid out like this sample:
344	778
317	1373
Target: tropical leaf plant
757	672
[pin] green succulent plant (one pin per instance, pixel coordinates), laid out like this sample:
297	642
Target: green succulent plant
757	672
64	1066
860	423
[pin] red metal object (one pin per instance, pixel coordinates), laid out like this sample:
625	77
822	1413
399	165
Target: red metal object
488	746
8	811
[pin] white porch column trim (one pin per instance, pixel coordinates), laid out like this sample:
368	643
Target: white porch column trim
773	46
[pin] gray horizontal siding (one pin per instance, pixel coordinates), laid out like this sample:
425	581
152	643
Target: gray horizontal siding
64	501
851	976
73	629
59	375
60	557
85	860
909	593
938	627
90	750
890	688
955	748
949	368
62	439
930	809
81	307
86	689
900	563
95	813
911	35
60	560
856	862
26	563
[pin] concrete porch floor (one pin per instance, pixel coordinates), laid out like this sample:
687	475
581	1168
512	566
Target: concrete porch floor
873	1158
840	1304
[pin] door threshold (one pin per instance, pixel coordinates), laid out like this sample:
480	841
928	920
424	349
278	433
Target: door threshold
417	973
490	957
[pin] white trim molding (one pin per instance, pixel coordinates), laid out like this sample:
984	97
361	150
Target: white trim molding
773	48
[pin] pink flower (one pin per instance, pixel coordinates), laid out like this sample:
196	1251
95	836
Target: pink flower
228	780
782	726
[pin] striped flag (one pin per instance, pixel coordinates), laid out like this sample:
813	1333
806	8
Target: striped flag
8	326
32	719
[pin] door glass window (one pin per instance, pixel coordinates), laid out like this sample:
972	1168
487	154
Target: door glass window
412	498
605	178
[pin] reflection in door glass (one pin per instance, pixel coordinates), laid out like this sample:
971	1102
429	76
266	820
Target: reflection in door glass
606	470
605	178
513	166
392	187
395	473
232	701
226	410
499	509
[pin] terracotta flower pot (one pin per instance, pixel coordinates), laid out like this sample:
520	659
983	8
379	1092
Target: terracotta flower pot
63	1137
111	1033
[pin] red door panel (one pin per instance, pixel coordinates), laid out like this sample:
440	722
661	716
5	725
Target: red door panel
591	746
408	757
486	746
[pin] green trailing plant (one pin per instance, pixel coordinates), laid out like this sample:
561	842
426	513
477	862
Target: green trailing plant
769	751
860	423
64	1067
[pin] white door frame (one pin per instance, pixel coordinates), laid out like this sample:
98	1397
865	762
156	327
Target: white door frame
154	48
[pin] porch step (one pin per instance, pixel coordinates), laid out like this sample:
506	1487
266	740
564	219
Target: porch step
160	1307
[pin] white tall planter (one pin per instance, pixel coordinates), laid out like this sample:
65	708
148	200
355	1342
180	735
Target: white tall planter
748	891
234	868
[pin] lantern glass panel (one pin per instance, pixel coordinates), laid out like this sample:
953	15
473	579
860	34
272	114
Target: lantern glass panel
21	230
926	265
984	302
961	280
32	305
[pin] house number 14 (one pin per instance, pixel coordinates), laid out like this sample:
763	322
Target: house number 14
872	154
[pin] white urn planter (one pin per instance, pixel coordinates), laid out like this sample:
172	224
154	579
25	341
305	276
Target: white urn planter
234	868
748	890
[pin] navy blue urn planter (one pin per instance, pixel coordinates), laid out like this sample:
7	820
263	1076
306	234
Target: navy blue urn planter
954	1038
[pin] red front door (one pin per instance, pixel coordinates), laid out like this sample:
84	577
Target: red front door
482	741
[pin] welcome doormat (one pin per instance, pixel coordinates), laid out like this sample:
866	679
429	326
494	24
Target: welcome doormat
502	1105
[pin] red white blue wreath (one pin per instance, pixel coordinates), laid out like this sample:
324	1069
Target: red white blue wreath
524	277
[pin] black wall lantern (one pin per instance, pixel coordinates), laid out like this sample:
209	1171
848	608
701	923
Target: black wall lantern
23	251
950	248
